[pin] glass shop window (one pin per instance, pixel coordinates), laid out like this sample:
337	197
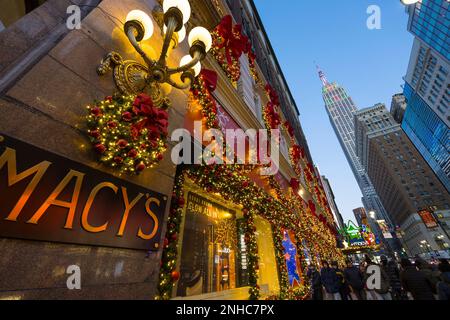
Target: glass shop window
268	278
13	10
212	249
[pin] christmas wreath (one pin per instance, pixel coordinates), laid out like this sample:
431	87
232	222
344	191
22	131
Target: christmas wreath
129	133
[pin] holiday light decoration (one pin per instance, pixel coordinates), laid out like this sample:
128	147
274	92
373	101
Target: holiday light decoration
202	90
128	132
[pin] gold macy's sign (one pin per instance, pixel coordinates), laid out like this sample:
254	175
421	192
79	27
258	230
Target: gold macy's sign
44	196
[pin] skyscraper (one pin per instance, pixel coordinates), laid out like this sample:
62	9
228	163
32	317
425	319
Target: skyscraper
341	109
404	182
360	216
398	107
427	85
428	20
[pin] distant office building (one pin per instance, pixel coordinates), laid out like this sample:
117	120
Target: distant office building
360	216
332	202
403	180
427	88
398	107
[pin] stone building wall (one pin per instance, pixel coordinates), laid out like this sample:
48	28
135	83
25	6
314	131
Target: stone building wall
47	78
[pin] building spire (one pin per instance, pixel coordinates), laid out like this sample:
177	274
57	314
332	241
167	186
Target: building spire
322	76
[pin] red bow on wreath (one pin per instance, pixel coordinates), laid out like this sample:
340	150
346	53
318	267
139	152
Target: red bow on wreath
156	120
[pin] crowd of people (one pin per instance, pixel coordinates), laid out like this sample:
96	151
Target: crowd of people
397	281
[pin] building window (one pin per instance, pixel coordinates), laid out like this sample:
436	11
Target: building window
13	10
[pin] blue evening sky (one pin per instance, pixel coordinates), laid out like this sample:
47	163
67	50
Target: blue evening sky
370	64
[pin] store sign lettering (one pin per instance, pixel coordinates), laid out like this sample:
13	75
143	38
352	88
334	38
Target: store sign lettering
46	197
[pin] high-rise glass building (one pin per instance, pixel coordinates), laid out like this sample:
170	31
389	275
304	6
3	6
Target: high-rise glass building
430	21
427	85
341	109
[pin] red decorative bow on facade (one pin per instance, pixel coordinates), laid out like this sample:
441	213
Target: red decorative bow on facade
289	129
232	39
210	79
295	184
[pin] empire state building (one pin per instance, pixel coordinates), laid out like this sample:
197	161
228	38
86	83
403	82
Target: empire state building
341	108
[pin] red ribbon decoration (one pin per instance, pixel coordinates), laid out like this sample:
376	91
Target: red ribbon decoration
296	152
156	120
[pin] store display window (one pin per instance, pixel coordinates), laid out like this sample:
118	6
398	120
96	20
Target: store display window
209	251
268	278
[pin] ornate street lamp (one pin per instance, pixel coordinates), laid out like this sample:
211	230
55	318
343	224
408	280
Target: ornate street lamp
132	77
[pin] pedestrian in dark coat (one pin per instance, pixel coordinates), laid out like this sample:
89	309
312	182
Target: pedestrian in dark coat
394	279
316	283
344	288
330	281
432	275
443	287
415	281
383	291
355	280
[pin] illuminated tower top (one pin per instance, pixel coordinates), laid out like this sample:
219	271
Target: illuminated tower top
322	76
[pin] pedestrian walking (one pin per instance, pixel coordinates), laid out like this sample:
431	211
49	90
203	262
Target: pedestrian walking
316	283
385	283
344	289
415	282
330	281
443	286
433	276
393	273
355	280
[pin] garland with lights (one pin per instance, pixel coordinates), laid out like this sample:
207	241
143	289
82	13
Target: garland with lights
202	88
168	275
128	132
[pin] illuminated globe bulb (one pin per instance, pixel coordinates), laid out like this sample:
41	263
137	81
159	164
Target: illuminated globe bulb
143	18
182	5
408	2
202	35
186	59
181	34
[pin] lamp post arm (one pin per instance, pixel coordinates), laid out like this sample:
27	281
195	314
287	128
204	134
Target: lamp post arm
132	38
186	67
187	81
171	26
